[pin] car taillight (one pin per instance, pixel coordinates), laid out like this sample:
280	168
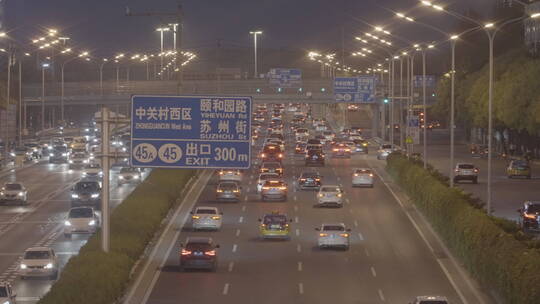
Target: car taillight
335	150
371	174
185	252
344	235
282	188
210	253
318	179
475	170
302	179
236	191
347	150
220	172
263	155
266	188
323	234
280	155
356	174
529	216
195	217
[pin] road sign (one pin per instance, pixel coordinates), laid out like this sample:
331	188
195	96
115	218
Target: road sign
191	132
431	81
285	78
409	140
355	89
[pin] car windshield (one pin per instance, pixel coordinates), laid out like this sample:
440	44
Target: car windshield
271	165
60	149
333	228
272	149
466	166
13	187
330	189
520	164
93	166
87	186
386	147
37	255
433	302
195	246
310	174
534	208
128	170
275	219
206	211
80	213
3	292
268	176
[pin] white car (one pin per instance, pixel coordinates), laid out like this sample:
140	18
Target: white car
362	177
129	175
321	127
206	218
7	294
230	175
39	262
92	170
81	220
263	177
330	196
14	192
328	135
333	235
384	151
77	160
430	300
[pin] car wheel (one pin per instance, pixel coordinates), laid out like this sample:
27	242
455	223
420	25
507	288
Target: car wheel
54	276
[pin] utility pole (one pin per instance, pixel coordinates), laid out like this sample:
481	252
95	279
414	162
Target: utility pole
105	220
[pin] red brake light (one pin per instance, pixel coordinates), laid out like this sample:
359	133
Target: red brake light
186	252
210	253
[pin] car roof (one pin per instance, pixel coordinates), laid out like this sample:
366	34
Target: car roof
333	224
198	240
363	169
324	186
459	164
206	208
38	249
427	298
531	203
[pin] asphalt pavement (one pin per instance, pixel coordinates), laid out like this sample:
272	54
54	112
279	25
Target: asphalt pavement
390	259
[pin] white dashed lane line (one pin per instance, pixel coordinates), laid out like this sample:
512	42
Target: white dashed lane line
360	236
234	248
297	232
241	219
231	265
373	272
237	232
381	295
300	288
299	248
296	219
226	289
300	266
355	223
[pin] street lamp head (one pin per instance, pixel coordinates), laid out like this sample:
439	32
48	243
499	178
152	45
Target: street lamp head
105	59
535	15
454	37
27	54
430	46
3	34
256	32
409	19
400	15
45	65
427	3
489	25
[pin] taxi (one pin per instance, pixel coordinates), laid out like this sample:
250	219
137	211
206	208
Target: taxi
275	226
518	168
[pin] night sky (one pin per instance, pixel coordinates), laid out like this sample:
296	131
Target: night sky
100	25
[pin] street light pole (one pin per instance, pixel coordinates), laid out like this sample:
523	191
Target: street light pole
20	101
452	109
43	66
424	106
392	101
255	33
105	60
401	102
161	30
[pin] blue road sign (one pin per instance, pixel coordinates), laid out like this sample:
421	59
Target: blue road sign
285	78
355	89
431	81
191	132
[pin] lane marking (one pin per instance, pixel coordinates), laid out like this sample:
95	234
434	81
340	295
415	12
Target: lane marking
244	208
297	232
231	265
226	289
348	201
381	295
295	198
301	288
373	272
296	219
300	266
245	198
355	223
360	236
241	219
367	251
234	248
237	232
299	248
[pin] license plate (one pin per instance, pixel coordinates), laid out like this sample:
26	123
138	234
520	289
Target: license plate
197	253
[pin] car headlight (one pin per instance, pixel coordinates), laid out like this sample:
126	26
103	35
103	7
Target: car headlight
49	266
136	177
67	223
86	130
1	193
12	154
23	266
70	161
64	154
120	177
92	223
51	154
75	196
100	173
49	147
95	195
84	174
21	193
85	161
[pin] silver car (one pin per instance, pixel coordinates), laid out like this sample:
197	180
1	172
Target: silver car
7	294
14	192
274	190
228	191
384	151
466	172
362	178
78	160
329	196
129	175
206	218
230	175
333	235
263	177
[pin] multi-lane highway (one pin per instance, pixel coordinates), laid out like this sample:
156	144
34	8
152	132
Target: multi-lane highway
392	257
40	222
